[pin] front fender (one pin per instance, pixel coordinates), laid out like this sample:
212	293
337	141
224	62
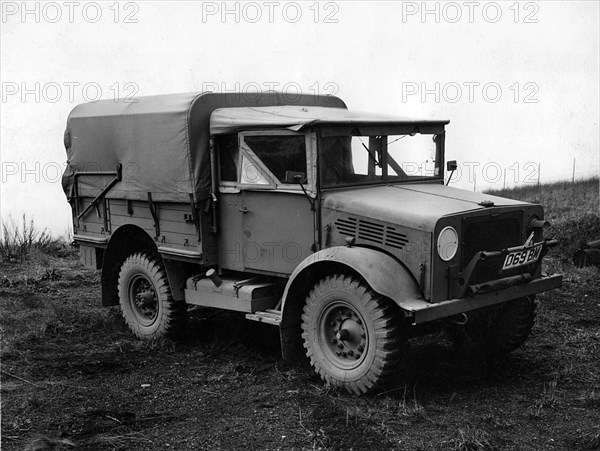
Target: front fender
384	274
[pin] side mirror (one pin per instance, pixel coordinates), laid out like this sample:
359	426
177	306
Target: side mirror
450	167
293	177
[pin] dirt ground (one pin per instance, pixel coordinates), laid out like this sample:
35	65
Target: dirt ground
73	377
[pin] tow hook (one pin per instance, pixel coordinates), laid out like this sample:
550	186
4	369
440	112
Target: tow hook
460	322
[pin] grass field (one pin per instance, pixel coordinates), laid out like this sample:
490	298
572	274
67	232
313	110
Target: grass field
561	200
73	377
573	209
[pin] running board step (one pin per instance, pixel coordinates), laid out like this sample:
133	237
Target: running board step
268	316
232	293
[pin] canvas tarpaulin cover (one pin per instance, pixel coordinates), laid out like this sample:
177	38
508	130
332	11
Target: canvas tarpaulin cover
162	142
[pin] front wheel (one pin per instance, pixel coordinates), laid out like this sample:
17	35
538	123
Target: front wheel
351	334
145	297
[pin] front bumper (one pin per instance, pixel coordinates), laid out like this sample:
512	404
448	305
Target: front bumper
485	274
424	312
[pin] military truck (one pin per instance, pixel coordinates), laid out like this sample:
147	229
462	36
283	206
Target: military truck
335	226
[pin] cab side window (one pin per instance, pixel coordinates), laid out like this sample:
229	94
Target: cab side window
280	154
228	157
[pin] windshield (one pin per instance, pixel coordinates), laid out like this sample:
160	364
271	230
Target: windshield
361	159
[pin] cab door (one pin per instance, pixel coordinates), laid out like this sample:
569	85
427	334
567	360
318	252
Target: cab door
267	223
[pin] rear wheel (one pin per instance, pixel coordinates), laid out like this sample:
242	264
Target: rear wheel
145	297
499	331
351	334
511	327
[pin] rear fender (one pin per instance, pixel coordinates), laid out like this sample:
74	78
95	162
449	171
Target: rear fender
126	240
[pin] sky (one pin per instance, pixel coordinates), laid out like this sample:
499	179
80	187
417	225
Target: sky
519	81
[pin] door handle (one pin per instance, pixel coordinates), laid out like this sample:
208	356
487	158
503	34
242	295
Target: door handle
243	210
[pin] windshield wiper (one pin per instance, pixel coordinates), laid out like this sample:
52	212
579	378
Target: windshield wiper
370	154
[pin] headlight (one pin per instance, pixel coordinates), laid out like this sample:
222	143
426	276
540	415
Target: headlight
447	243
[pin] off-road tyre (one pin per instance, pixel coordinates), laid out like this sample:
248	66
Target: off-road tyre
511	327
145	297
366	357
497	332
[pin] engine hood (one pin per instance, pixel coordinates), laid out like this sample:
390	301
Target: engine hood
417	206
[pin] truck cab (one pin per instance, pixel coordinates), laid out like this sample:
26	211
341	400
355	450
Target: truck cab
335	226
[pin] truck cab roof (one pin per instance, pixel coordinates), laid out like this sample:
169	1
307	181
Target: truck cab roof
294	117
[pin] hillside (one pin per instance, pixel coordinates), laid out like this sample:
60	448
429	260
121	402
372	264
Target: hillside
571	208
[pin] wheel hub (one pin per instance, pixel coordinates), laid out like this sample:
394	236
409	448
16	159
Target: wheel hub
346	335
144	297
343	334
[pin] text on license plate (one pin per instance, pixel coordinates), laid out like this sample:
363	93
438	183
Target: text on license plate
522	257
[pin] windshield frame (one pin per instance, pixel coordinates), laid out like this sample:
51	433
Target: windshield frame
435	130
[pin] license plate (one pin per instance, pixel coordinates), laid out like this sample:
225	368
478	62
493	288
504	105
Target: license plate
522	256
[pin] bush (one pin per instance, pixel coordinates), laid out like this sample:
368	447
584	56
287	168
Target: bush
17	241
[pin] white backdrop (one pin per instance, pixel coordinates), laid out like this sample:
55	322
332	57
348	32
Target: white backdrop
518	80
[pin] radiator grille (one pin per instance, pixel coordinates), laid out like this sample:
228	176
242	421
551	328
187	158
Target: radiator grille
490	233
371	232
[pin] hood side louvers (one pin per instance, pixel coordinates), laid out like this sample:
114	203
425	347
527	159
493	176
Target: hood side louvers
371	232
346	226
395	239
